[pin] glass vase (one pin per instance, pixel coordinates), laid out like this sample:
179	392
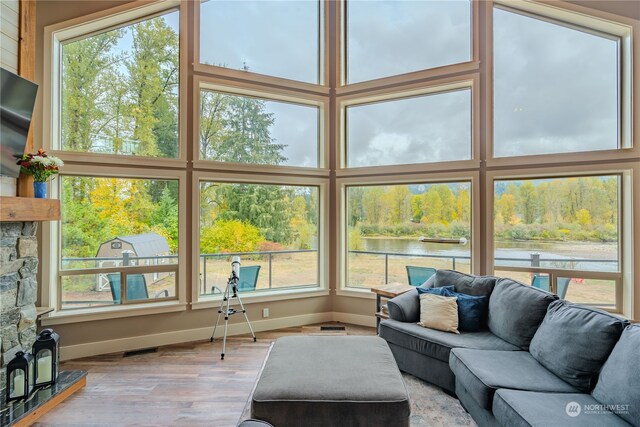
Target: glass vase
40	190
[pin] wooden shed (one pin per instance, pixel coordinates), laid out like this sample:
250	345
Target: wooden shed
127	250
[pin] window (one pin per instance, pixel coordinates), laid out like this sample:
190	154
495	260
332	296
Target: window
561	234
251	130
424	129
412	130
385	222
273	228
117	233
386	38
277	38
568	223
556	87
119	90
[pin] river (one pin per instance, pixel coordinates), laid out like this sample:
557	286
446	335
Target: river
558	254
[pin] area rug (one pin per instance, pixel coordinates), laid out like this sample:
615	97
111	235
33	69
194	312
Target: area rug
430	406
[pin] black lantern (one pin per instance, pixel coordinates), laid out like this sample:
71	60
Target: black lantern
46	353
20	379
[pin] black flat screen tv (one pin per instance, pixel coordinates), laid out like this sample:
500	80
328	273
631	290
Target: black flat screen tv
17	98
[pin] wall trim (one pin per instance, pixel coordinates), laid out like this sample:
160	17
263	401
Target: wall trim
187	335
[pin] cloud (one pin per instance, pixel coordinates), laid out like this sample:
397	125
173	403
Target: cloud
295	126
422	129
555	88
278	38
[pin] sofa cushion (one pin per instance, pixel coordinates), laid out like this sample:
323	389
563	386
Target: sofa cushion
472	310
515	408
619	381
482	372
438	344
574	341
516	310
442	291
464	283
438	312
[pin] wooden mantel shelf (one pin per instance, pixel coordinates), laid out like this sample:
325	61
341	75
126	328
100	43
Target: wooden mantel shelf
29	209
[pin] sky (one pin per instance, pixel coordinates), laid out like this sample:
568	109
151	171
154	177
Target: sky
555	88
423	129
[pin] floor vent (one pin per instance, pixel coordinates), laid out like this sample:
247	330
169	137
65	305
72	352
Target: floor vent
139	352
332	328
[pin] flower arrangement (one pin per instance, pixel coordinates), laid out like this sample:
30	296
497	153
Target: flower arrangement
40	165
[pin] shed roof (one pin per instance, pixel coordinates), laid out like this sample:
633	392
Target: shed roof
147	244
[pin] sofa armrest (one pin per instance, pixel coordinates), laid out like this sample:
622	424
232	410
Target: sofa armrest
405	307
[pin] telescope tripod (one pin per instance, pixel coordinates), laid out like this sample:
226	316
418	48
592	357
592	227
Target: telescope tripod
231	291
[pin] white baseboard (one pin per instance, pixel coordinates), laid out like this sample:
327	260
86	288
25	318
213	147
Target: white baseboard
199	334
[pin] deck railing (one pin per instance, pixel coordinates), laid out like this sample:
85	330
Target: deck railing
127	259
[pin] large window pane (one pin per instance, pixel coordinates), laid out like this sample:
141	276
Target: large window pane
385	222
555	87
84	291
274	229
275	37
424	129
108	222
599	293
117	222
567	223
257	131
120	90
386	38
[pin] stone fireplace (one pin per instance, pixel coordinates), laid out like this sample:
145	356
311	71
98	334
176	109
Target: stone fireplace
18	290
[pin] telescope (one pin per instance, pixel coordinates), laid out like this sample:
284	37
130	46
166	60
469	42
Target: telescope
231	291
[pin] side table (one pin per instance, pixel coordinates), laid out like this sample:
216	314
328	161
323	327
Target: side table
388	291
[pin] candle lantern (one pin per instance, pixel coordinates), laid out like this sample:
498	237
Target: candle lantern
20	378
46	352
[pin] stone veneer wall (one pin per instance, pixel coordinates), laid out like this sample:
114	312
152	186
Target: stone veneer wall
18	290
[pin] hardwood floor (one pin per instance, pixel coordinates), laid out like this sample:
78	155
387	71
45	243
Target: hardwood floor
179	385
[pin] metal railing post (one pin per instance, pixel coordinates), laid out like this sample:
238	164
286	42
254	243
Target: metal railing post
535	259
386	268
204	274
454	262
270	271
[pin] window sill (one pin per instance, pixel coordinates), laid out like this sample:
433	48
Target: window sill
104	313
356	293
257	297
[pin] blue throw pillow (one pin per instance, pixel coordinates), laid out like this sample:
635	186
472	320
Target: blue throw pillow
472	310
442	291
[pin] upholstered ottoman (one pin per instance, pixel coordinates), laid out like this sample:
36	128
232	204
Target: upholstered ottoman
331	381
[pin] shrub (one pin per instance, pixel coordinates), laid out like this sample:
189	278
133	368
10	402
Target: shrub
230	236
355	239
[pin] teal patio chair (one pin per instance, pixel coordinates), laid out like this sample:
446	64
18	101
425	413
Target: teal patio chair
248	278
418	275
542	282
136	287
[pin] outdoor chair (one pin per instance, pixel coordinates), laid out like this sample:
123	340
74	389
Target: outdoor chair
248	278
542	282
418	275
136	288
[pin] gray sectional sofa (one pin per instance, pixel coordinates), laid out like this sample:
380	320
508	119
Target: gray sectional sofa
539	361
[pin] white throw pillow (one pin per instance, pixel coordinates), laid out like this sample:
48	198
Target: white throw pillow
438	312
